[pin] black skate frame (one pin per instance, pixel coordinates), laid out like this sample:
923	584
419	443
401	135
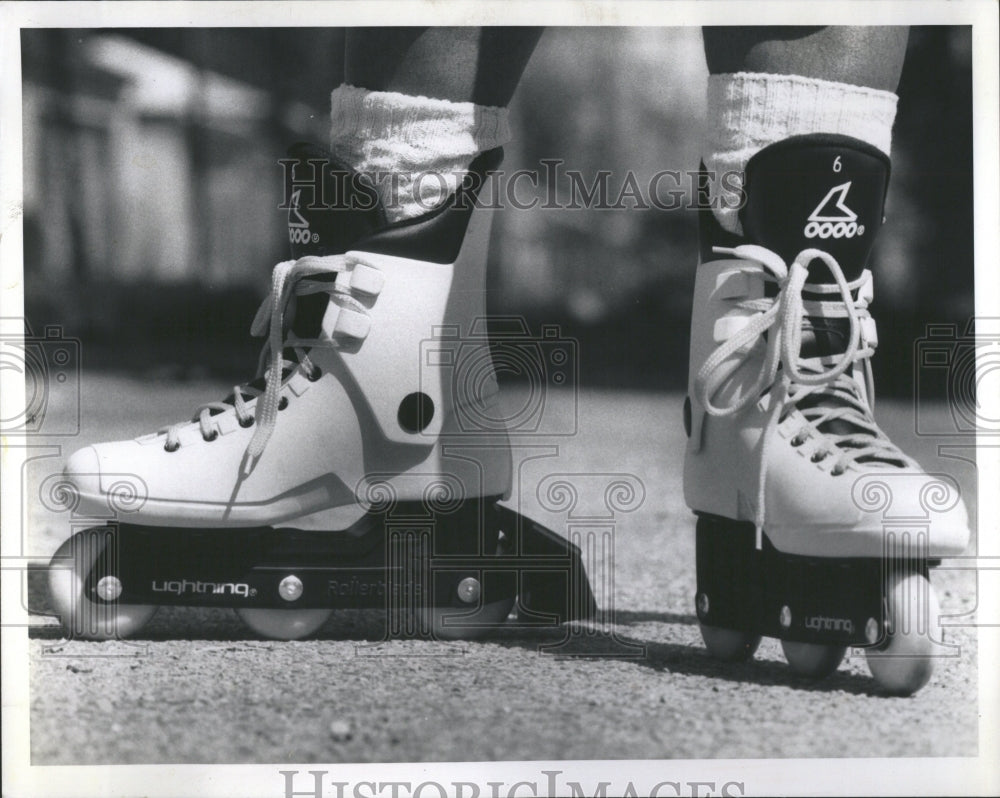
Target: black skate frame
404	560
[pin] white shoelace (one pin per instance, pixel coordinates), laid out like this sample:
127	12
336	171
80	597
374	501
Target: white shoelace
289	279
825	377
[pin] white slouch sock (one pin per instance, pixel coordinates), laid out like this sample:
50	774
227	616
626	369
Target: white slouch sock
416	149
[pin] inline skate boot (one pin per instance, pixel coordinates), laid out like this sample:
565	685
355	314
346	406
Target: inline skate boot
361	468
813	527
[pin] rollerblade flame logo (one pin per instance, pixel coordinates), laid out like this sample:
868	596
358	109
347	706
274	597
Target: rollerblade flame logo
832	218
181	586
298	225
821	623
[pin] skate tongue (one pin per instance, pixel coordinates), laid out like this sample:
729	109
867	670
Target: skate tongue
821	191
822	338
330	206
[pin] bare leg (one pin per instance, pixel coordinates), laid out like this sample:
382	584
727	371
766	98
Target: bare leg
861	56
481	65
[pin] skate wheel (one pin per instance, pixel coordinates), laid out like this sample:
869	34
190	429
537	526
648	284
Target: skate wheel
283	624
814	660
729	645
82	618
903	662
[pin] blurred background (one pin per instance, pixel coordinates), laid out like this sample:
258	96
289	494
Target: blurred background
152	185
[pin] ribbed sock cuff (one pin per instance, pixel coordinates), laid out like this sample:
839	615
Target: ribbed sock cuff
387	133
747	111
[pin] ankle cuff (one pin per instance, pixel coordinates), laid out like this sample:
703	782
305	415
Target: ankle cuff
748	111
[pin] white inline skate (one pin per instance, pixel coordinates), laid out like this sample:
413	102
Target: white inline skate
360	469
813	527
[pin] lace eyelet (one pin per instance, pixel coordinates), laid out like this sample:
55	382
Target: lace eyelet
211	436
315	374
818	457
171	449
246	422
283	403
797	441
836	471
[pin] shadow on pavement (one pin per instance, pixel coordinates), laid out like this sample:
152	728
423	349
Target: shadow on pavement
567	643
688	660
